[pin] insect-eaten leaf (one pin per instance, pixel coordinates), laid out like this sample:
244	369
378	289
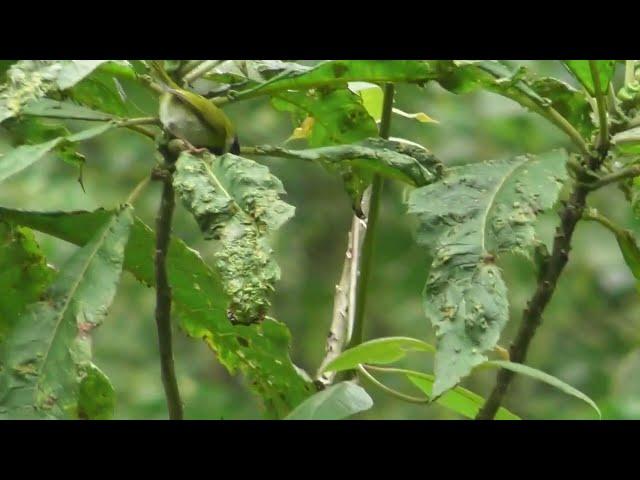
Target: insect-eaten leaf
46	356
24	275
96	395
372	97
475	213
339	118
24	156
336	402
236	201
396	159
259	351
31	79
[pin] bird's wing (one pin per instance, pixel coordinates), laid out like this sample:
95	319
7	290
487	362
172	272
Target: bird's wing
219	129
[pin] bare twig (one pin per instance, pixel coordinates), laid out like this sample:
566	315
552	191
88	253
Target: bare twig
163	297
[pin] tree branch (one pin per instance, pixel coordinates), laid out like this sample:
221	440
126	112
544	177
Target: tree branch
623	174
532	316
570	215
603	123
200	70
163	296
339	331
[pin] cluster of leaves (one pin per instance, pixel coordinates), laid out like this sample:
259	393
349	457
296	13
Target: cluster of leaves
469	216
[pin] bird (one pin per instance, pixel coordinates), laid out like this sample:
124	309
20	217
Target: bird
193	118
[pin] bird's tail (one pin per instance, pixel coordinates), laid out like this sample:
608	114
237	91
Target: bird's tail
235	146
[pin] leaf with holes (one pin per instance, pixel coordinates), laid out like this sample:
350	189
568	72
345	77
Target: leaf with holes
236	201
339	118
46	355
259	351
337	73
467	219
31	79
24	275
24	156
412	164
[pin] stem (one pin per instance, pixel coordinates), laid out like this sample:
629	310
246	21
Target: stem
629	172
570	215
205	67
135	193
593	215
562	123
163	299
390	391
340	325
372	220
629	72
602	108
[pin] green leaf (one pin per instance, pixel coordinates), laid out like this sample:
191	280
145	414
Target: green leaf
546	378
339	118
458	399
259	351
102	90
537	95
334	403
31	79
630	251
409	163
236	201
337	73
96	395
581	70
572	104
46	355
46	107
24	275
380	351
467	219
24	156
236	74
372	97
627	142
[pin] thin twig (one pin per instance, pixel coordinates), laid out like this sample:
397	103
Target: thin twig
340	326
389	390
348	289
366	259
135	193
623	174
163	298
603	122
593	215
201	70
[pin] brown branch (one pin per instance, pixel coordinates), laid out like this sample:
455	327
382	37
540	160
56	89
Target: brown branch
570	215
163	296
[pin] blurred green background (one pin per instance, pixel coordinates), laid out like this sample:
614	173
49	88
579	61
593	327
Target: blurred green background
589	337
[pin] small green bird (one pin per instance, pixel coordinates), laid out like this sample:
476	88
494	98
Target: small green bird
194	119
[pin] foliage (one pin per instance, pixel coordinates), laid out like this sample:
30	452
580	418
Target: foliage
475	218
